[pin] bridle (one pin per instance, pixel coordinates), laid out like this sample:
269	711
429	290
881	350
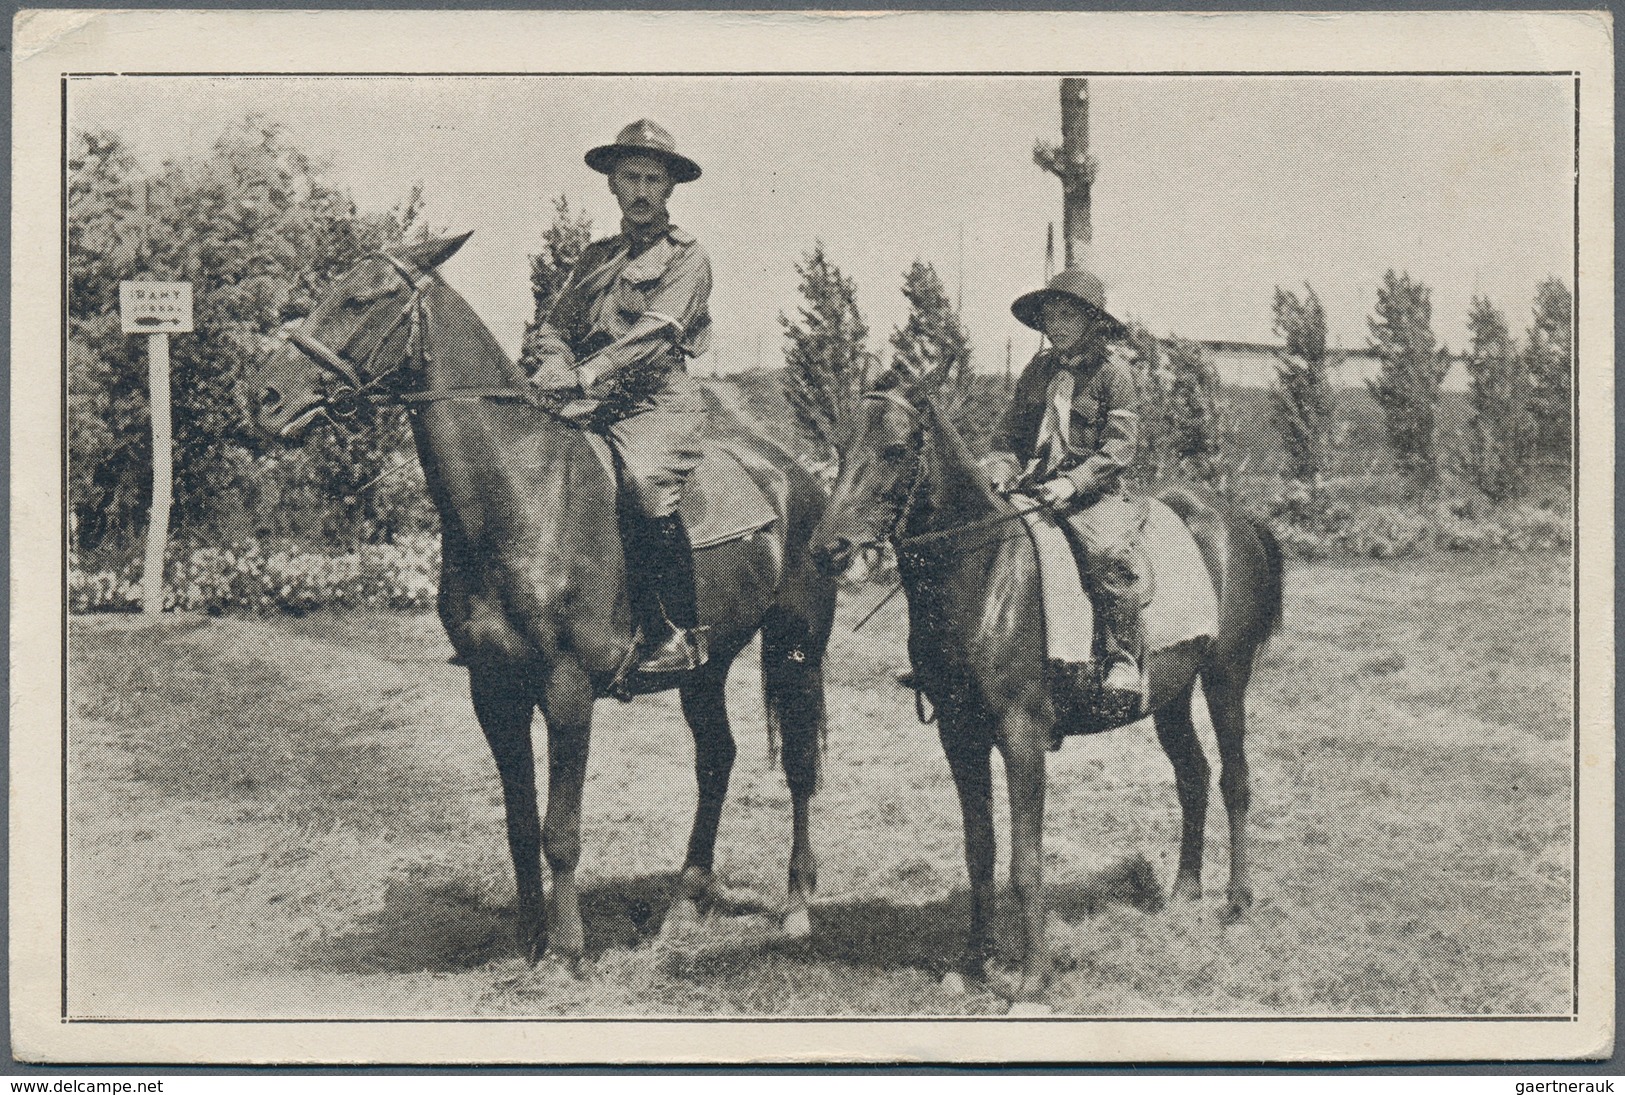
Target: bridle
345	400
893	526
904	501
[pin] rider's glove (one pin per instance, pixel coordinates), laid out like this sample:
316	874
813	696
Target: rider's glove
1058	491
554	374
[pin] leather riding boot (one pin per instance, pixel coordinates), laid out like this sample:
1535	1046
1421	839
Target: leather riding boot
670	640
1121	642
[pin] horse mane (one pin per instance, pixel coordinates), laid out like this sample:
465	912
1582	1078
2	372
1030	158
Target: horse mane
953	452
466	326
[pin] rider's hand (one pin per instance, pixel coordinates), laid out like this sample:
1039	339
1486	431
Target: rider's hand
555	374
1001	474
1058	491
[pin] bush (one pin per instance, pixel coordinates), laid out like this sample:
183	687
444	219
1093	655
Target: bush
1343	522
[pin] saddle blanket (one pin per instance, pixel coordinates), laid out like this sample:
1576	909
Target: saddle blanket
720	501
1183	605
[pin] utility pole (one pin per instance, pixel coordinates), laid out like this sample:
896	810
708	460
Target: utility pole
1072	164
959	296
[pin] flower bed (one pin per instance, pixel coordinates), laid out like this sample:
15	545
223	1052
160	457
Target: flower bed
255	577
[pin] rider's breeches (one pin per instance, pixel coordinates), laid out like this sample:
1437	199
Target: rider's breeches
1107	535
658	445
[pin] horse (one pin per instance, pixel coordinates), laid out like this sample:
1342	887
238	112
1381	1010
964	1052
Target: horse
533	579
977	644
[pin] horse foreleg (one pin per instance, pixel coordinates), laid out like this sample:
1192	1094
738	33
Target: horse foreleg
705	708
1227	705
793	686
566	702
1177	734
504	710
969	754
1025	742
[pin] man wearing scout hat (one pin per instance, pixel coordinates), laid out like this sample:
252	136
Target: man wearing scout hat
621	331
1071	431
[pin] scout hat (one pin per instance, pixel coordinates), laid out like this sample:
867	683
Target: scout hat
1076	284
644	138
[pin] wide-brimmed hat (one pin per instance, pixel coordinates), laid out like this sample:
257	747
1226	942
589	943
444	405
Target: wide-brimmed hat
644	138
1075	284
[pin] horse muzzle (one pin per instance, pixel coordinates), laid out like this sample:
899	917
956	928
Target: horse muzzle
844	557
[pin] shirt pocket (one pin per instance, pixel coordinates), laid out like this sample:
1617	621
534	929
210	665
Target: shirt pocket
640	278
1085	408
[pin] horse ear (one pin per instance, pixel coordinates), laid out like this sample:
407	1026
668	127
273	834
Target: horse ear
429	254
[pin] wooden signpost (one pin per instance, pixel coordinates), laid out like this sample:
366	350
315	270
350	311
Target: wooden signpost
157	309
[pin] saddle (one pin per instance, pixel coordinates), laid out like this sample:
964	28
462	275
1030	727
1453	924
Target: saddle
721	502
1179	605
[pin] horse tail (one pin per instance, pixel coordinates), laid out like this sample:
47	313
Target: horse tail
793	695
1275	564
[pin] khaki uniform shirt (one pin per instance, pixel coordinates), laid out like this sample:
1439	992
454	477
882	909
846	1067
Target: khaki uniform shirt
629	302
1101	423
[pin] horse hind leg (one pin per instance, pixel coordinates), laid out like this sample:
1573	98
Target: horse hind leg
705	708
1226	691
1177	733
793	691
504	711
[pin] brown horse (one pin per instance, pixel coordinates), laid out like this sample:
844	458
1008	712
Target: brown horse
976	640
533	580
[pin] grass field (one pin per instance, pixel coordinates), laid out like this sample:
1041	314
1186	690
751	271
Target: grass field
299	818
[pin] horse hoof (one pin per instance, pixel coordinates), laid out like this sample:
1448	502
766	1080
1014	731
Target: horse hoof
953	983
798	924
1234	913
1029	1009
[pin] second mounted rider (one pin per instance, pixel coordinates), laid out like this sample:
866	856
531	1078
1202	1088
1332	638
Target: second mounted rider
1069	435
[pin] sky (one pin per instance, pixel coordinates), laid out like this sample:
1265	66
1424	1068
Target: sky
1212	191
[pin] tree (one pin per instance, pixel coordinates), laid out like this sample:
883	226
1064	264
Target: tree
1549	357
550	268
1502	434
260	234
1413	369
826	357
1195	429
1302	403
1152	382
933	340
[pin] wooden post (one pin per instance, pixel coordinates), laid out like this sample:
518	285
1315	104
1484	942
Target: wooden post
1071	163
152	573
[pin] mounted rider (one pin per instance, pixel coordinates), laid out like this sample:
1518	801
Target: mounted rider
634	309
1070	433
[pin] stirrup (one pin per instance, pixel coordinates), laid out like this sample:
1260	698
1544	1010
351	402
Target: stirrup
680	650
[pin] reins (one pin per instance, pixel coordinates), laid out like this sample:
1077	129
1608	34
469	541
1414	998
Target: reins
899	518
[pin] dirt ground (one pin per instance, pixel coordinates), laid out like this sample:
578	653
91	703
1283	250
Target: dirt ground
299	818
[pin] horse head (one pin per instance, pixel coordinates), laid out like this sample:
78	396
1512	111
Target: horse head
882	473
352	348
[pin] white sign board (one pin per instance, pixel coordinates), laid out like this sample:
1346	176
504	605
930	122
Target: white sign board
155	307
